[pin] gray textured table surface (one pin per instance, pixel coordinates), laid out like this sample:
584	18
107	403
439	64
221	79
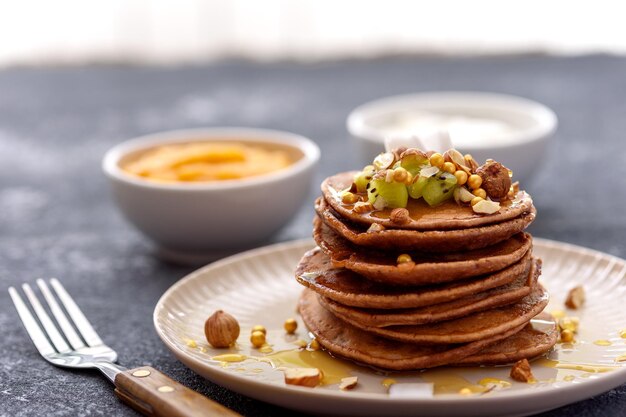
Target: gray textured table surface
56	218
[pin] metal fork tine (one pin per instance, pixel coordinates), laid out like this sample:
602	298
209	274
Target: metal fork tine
32	327
59	315
57	340
81	322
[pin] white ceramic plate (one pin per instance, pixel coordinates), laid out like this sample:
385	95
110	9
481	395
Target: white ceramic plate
258	287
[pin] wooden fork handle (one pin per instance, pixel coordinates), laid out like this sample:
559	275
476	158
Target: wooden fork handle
153	393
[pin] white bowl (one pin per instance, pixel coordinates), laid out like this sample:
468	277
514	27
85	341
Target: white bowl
195	222
520	147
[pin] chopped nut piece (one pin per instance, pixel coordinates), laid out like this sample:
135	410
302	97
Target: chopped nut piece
348	383
521	371
456	157
471	162
399	216
413	151
362	207
575	298
384	160
304	377
400	175
486	207
496	179
375	227
464	195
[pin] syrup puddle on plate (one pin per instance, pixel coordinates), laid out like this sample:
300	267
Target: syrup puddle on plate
289	351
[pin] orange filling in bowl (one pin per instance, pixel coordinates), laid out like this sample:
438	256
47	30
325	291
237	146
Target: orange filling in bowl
208	161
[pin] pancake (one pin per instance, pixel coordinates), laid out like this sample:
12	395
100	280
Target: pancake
537	338
342	339
447	215
426	241
316	272
496	297
426	268
470	328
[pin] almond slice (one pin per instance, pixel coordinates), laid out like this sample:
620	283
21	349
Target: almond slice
486	207
304	377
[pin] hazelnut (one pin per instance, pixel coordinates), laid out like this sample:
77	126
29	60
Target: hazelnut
496	179
221	329
575	297
399	216
521	371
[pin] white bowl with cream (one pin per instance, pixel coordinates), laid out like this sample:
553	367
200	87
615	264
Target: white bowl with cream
199	221
510	129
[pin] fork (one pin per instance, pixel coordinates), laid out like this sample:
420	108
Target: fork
145	389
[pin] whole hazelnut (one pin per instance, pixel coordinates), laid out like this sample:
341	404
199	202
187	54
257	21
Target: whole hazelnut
399	215
221	329
496	179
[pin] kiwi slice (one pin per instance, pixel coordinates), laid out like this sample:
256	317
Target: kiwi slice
413	163
363	178
394	194
417	188
439	188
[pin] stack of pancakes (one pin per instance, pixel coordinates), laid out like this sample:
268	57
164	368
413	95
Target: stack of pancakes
469	296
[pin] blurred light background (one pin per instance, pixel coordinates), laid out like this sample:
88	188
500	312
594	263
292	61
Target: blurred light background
60	32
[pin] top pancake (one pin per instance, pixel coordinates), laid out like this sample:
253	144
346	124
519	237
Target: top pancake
427	240
448	215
